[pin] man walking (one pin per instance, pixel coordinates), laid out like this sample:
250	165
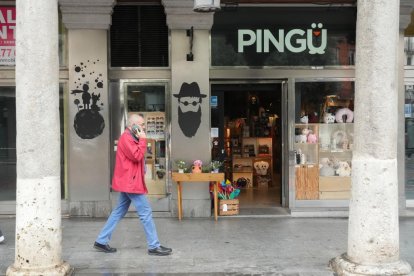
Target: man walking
129	180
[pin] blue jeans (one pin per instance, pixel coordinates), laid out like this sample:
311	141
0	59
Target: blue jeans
144	213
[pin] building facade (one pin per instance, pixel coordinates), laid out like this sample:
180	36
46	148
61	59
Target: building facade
271	97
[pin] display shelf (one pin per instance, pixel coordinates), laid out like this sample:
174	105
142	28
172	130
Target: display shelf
254	149
335	151
243	169
336	144
338	136
331	156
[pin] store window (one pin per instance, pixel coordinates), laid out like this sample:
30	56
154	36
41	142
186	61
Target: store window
409	141
254	36
323	139
139	36
8	175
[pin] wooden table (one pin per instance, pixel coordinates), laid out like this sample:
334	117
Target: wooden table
197	177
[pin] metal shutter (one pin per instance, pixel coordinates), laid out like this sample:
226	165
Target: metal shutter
139	37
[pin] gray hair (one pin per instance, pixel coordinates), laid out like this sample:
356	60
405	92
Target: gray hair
133	119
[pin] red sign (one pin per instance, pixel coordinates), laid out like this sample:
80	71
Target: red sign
7	35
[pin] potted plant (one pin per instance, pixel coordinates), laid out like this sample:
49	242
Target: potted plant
181	165
215	166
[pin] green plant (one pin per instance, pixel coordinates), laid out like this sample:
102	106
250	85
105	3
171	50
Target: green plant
181	165
205	169
216	164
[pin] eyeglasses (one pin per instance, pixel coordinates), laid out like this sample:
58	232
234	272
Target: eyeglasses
194	103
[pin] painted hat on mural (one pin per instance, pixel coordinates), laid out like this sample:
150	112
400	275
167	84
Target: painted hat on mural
189	90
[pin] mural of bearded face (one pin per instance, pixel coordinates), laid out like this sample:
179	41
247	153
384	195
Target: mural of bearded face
189	108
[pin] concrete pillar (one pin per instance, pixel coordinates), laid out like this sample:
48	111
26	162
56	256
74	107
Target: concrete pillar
190	146
373	231
38	205
89	180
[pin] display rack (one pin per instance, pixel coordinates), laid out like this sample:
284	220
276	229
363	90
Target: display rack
256	151
323	168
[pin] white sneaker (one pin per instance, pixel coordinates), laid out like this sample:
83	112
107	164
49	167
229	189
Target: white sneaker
1	239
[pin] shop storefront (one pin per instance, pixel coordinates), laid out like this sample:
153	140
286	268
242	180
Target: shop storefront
276	100
312	59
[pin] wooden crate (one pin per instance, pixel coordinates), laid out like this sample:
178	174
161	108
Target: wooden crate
228	207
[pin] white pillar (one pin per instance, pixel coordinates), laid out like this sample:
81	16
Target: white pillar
38	205
373	232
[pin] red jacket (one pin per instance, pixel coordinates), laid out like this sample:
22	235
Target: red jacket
129	171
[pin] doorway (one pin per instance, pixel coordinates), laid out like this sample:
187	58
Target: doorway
149	99
249	119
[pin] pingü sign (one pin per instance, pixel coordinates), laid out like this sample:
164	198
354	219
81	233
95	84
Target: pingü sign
295	40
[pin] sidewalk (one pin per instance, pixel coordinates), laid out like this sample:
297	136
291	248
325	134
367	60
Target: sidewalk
231	246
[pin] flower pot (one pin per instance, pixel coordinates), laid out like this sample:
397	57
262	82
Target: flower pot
181	170
215	171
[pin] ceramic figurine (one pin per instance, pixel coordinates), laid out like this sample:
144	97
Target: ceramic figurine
196	168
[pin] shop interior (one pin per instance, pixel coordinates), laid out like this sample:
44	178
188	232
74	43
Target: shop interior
248	120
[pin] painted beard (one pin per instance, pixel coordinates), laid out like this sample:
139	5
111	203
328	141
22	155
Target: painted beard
189	121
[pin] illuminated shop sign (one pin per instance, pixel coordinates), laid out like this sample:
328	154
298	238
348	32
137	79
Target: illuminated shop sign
284	36
7	35
295	41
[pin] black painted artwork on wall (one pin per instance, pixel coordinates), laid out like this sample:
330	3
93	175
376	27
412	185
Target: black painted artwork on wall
88	121
189	108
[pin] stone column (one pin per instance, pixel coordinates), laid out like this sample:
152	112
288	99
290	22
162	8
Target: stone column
190	145
38	205
373	231
89	172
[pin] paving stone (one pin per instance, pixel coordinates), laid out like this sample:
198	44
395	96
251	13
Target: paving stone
231	246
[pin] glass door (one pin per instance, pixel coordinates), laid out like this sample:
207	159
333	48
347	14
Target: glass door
150	100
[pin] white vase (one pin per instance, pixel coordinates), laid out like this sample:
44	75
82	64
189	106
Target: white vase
181	170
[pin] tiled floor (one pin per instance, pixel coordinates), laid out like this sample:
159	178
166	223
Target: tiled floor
262	200
260	197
